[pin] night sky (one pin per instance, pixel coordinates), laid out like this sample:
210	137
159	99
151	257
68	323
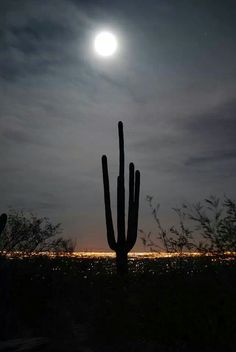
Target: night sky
172	83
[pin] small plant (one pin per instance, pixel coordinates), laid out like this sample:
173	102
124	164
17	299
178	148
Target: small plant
124	243
174	239
215	222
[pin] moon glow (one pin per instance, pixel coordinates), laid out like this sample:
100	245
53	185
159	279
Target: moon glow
105	44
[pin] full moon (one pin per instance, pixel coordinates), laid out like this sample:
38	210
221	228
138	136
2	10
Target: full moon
105	44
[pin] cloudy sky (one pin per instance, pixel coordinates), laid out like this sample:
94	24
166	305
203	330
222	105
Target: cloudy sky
172	83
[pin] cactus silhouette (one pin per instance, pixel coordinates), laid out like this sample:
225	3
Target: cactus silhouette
123	244
3	221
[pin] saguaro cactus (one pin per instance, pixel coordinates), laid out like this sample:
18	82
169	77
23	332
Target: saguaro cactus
123	243
3	221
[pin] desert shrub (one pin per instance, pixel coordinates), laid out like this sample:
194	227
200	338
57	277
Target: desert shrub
207	227
28	233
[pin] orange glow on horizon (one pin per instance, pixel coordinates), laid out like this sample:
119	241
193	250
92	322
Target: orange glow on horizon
95	254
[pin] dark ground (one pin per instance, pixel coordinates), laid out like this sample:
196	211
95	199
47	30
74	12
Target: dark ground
69	304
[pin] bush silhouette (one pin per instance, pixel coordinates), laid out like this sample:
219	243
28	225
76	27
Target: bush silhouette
29	233
205	227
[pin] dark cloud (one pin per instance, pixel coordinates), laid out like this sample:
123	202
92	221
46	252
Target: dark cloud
17	136
213	135
216	156
210	129
36	37
219	122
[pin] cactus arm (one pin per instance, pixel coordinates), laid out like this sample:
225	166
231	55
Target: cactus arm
131	184
3	221
121	190
136	202
120	213
109	223
136	198
132	235
131	203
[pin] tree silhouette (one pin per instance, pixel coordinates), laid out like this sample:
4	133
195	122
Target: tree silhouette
124	243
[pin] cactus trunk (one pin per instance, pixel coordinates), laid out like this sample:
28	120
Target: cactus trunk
123	244
122	262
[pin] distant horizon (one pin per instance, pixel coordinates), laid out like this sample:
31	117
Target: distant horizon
151	254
